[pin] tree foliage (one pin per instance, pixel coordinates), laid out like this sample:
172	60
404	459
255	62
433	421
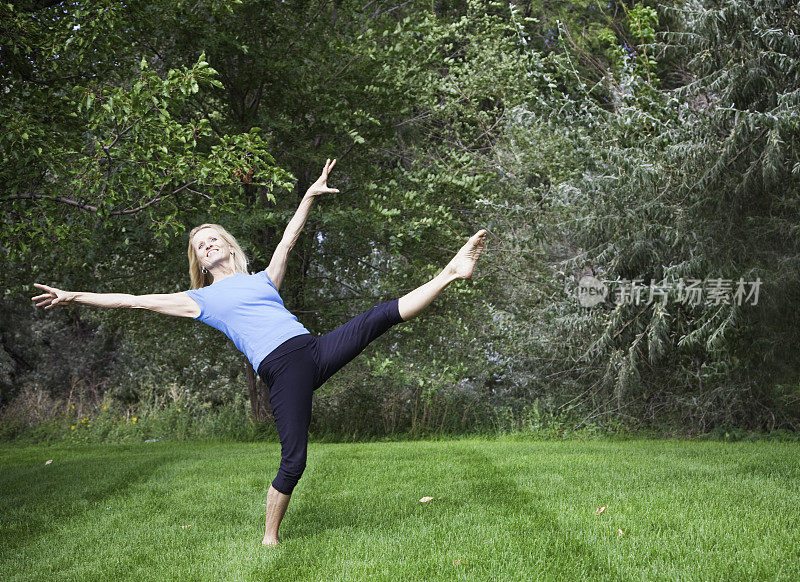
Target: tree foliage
697	182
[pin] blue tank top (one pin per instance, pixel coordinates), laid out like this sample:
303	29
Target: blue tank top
249	310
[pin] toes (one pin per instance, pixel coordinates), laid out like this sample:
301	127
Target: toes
479	237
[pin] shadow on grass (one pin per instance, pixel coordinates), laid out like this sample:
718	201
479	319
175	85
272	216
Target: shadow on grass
527	522
37	499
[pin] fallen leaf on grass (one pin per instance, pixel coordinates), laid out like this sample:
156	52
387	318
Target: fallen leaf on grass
186	526
600	510
457	562
426	499
48	462
619	533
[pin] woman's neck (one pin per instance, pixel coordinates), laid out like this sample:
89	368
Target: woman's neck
223	271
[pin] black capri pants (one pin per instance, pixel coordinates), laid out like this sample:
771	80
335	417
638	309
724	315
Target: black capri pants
302	364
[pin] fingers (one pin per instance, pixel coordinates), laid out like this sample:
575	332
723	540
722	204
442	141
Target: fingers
328	167
45	298
54	302
322	181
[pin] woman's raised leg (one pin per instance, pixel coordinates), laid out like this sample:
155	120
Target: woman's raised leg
459	267
334	349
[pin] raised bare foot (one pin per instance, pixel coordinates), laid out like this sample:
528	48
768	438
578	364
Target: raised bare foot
270	541
463	263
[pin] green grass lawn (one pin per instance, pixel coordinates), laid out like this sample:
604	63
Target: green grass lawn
502	510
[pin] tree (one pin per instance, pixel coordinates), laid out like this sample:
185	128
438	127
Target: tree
697	183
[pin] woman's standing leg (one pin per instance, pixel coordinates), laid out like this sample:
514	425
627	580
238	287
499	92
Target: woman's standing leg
277	503
291	384
334	349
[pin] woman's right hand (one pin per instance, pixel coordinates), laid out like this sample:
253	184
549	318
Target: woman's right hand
53	296
321	185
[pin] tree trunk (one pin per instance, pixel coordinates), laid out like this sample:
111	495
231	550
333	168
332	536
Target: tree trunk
259	395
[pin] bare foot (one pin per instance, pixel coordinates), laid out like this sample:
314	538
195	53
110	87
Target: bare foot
463	263
270	541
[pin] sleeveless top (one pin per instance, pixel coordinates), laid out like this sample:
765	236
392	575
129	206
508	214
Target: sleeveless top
249	310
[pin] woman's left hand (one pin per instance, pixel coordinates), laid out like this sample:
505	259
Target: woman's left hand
321	185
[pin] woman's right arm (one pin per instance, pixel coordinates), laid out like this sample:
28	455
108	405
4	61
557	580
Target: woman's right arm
176	304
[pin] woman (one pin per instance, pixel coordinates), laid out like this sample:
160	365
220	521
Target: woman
249	310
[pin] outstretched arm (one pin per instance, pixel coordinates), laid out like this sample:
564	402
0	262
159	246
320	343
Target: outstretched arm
177	304
280	258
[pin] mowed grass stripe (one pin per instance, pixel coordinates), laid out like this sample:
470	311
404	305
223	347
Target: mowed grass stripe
504	510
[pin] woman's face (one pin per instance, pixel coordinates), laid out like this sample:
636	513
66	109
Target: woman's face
210	247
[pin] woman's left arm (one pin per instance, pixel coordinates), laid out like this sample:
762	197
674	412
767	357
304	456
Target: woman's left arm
280	258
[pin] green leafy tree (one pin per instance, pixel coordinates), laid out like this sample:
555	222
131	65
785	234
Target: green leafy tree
698	183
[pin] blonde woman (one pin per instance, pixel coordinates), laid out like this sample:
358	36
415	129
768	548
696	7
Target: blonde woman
249	310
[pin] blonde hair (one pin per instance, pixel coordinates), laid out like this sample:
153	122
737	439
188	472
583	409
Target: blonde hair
197	277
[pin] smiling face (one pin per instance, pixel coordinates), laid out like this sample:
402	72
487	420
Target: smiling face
210	247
